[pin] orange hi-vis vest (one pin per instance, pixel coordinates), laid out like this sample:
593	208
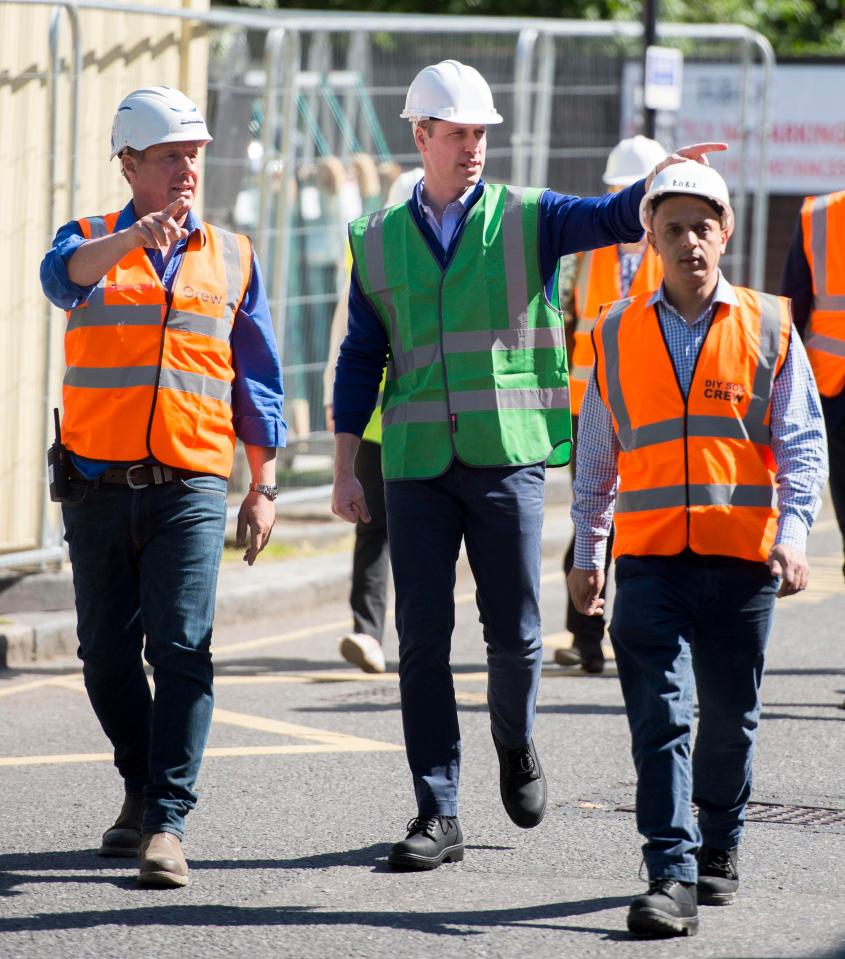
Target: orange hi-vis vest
823	226
694	471
149	372
600	281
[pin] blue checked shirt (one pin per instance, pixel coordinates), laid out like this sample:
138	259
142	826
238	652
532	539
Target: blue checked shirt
798	437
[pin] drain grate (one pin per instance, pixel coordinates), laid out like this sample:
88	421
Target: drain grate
795	815
783	814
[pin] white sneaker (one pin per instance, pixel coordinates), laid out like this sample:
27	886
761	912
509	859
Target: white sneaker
363	651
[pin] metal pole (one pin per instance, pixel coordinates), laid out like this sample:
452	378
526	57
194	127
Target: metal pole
649	38
521	136
543	114
761	199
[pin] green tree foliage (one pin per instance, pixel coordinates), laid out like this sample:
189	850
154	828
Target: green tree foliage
794	27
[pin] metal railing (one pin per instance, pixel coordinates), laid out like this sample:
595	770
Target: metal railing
332	83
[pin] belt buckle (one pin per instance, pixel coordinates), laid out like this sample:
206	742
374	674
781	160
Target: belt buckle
129	481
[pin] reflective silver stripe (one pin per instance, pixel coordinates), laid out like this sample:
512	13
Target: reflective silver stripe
212	326
828	301
196	383
764	375
123	377
513	244
711	427
476	401
729	494
432	411
664	497
403	361
110	377
96	313
728	427
818	242
528	338
580	373
825	344
586	326
234	274
97	225
615	397
701	494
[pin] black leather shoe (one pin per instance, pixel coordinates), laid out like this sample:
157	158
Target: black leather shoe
522	784
669	908
718	876
586	653
124	837
431	840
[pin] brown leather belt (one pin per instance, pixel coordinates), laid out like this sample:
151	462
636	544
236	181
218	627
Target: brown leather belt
136	476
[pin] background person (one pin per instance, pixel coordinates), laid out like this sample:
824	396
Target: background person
458	288
703	404
602	276
814	277
170	355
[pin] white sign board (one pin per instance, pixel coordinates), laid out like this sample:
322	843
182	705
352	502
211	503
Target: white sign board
664	67
806	148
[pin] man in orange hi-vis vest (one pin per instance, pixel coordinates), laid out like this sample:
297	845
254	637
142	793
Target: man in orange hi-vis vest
702	424
601	276
814	278
170	356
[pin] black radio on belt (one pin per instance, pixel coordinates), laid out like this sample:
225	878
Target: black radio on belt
58	465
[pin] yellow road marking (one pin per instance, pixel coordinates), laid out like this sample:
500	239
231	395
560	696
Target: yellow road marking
35	684
342	742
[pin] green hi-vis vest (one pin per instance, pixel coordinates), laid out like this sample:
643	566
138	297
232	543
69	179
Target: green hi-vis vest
477	365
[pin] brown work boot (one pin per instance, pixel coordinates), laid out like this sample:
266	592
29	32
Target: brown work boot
124	837
161	861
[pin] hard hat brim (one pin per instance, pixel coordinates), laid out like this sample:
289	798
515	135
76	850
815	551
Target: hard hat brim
178	137
473	119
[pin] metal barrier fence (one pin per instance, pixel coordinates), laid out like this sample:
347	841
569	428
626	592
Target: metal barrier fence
305	114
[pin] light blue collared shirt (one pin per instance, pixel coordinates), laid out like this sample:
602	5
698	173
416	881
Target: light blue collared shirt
798	440
454	213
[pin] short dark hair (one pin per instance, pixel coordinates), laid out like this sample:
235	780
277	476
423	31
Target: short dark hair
717	208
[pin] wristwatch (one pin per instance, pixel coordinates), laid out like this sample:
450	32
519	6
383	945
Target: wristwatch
271	492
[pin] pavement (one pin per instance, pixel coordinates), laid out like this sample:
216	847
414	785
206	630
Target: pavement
304	786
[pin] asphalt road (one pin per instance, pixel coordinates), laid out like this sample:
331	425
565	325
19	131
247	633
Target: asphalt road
305	786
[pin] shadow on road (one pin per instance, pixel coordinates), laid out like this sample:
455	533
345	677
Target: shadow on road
460	923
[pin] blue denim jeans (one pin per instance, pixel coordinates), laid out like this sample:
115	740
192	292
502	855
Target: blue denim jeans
684	625
498	513
145	567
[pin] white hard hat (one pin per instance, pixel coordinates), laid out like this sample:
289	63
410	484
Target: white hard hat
154	115
403	186
631	160
450	91
695	179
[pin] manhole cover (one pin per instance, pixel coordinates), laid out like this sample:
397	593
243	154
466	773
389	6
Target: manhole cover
787	815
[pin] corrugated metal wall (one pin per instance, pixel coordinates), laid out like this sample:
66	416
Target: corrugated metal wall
119	53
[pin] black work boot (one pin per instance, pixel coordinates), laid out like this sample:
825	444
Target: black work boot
584	652
521	784
124	837
718	876
669	908
431	840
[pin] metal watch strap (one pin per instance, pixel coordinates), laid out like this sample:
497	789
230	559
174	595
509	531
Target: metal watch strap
271	492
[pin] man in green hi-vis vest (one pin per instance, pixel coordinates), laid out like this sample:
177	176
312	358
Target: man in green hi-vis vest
456	291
